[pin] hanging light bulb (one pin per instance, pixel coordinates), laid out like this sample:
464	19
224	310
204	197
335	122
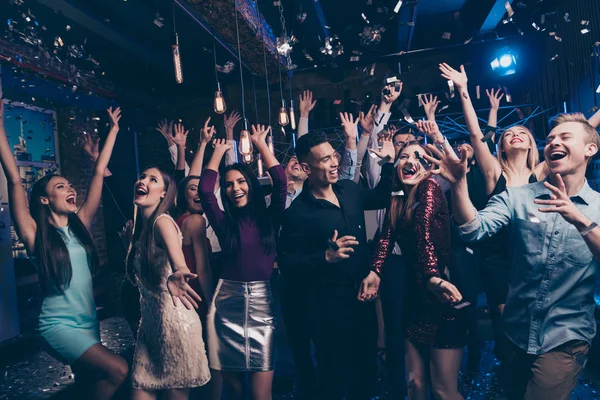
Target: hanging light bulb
283	115
292	116
259	164
219	103
270	143
245	146
177	61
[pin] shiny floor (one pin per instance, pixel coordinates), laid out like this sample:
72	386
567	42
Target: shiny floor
35	375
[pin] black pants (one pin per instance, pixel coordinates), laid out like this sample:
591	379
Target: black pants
295	307
392	303
345	337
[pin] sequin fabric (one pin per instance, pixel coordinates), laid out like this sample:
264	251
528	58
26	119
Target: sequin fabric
425	244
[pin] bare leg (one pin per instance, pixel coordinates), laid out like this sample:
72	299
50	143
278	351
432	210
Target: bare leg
177	394
444	366
262	383
380	329
216	385
417	372
138	394
107	370
235	384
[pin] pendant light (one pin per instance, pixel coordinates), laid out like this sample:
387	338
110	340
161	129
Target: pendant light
283	118
176	54
292	114
245	147
219	102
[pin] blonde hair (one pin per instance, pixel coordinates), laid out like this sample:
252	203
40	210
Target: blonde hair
592	134
533	156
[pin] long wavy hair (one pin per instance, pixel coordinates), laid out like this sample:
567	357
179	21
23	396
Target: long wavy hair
403	207
52	257
256	208
143	235
533	156
181	205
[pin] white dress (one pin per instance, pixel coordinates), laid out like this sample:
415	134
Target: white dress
170	351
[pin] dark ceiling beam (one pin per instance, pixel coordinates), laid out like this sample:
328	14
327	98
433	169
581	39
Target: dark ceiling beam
108	32
255	33
406	15
494	16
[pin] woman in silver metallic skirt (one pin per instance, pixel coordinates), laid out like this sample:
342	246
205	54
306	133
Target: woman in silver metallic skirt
240	321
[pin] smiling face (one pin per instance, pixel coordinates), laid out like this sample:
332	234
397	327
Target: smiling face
294	171
191	196
409	169
567	149
149	189
61	197
516	138
400	140
236	188
323	163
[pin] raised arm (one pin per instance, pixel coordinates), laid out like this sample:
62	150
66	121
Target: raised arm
166	129
494	96
92	148
431	129
306	105
206	188
595	119
379	197
205	137
17	197
168	236
487	162
180	139
230	122
430	104
259	139
92	201
348	164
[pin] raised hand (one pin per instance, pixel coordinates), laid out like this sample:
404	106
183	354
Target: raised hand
387	150
180	135
367	121
495	97
349	124
450	168
561	203
444	290
91	146
393	95
340	249
126	233
369	287
166	128
231	120
430	104
259	135
221	146
306	103
207	132
431	129
459	78
115	116
178	287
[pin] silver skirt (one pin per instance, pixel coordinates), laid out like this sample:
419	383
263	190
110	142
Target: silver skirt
240	327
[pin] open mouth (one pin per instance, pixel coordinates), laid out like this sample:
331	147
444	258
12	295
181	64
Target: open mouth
409	171
197	201
557	155
140	191
516	140
71	199
239	196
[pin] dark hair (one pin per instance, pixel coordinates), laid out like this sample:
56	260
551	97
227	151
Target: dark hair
51	255
399	132
181	205
256	209
307	142
143	235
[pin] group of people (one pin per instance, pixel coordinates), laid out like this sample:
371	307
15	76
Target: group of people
374	255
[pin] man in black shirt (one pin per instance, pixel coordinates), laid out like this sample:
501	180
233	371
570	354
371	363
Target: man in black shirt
323	242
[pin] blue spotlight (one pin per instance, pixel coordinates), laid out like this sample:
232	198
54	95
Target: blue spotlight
505	62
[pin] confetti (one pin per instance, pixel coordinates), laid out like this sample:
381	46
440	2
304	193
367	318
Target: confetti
554	57
397	8
451	86
567	17
407	116
509	9
507	94
478	91
446	35
365	18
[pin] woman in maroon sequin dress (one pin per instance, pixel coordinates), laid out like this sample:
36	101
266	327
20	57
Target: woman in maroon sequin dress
435	331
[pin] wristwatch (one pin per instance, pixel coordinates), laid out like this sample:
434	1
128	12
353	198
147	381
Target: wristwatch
440	145
588	229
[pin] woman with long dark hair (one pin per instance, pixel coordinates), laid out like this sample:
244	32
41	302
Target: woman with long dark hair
169	351
418	220
240	322
56	234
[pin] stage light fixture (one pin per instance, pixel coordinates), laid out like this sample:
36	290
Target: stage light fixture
505	62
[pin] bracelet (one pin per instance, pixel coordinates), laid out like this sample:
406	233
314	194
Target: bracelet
439	284
588	229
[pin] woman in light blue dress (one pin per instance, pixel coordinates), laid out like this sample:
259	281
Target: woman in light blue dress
57	237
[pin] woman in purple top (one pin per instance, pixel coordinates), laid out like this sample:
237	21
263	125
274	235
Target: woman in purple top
240	321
